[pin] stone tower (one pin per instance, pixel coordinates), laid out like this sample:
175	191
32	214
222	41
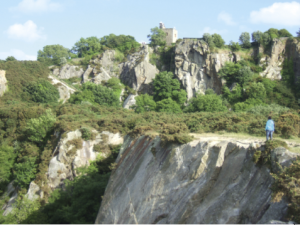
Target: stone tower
172	34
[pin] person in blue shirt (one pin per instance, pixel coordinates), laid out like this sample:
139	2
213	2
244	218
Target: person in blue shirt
270	128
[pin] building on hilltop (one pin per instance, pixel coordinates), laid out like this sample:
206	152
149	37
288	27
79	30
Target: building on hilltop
172	34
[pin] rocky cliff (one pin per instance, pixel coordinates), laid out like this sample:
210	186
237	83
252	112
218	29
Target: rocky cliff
3	82
197	69
137	72
205	181
70	153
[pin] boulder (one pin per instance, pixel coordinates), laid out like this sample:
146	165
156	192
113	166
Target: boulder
3	82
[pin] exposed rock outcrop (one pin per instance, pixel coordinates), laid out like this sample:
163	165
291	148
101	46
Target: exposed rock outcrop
68	71
102	68
64	90
197	69
67	157
138	72
13	194
204	181
130	101
3	82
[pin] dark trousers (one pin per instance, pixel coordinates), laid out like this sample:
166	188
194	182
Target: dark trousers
269	133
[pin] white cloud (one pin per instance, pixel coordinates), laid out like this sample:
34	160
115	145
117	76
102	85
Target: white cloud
280	13
29	6
28	32
18	54
225	17
212	31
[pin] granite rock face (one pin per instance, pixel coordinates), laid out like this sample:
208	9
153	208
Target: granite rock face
65	160
68	71
102	68
197	68
130	101
204	181
64	90
3	82
137	72
13	194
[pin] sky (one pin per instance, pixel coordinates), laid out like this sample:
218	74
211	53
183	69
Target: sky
29	25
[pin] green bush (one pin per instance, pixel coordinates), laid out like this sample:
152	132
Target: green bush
86	133
157	37
168	105
206	103
7	159
37	128
144	103
234	46
267	110
42	91
52	54
25	172
94	93
166	86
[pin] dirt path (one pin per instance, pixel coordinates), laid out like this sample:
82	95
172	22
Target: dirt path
294	144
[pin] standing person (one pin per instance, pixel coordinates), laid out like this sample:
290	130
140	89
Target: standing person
270	128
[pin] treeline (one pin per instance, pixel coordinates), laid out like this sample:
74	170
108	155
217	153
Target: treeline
87	48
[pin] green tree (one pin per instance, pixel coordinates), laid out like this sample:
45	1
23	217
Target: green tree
256	91
87	46
124	43
42	91
234	46
25	172
245	40
233	96
218	40
284	33
144	103
7	158
52	54
229	72
168	105
95	94
116	85
298	33
205	103
273	33
157	37
37	128
209	40
257	36
166	86
10	58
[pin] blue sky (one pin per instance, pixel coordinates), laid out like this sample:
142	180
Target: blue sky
29	25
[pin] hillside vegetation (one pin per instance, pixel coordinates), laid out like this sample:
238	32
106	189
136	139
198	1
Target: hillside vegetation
30	114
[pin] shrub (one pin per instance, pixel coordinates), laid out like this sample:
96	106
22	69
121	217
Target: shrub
166	86
206	103
144	103
267	110
218	40
86	133
52	54
37	128
286	183
168	105
25	172
157	37
234	46
95	94
42	91
7	158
